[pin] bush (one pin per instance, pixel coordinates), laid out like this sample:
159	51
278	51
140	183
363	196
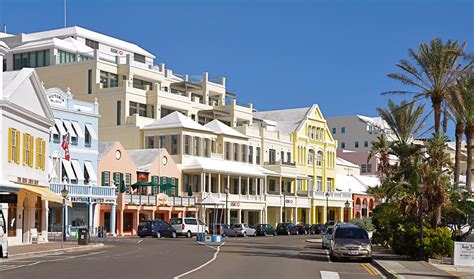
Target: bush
363	223
386	218
438	242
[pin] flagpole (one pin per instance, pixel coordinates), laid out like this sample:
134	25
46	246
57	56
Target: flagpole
65	13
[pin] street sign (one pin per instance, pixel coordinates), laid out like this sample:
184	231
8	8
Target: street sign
464	253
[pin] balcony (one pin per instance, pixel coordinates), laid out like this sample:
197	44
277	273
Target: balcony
92	191
287	169
134	199
339	196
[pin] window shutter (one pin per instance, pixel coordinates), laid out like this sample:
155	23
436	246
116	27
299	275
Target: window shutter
102	180
32	151
43	153
37	153
17	147
176	187
10	155
25	139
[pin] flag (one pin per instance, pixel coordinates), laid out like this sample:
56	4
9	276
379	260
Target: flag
65	146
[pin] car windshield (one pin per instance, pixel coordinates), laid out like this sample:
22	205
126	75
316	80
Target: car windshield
176	221
351	233
144	223
281	225
328	231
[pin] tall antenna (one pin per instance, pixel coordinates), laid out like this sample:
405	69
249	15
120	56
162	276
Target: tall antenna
65	12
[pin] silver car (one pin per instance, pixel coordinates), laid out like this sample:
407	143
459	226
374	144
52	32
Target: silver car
327	237
350	241
243	230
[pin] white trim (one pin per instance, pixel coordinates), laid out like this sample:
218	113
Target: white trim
53	130
69	171
90	170
60	126
68	125
77	168
92	131
78	129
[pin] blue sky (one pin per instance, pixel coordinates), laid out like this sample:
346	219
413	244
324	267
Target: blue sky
275	54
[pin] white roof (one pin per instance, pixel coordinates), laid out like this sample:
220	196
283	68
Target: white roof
287	120
357	184
375	121
68	44
342	162
220	128
210	200
223	166
176	120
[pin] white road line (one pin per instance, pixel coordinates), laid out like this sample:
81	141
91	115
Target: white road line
329	275
327	255
204	264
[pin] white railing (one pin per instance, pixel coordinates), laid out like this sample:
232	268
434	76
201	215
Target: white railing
333	195
153	200
84	190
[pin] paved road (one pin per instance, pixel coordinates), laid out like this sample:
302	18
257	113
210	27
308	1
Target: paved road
261	257
279	257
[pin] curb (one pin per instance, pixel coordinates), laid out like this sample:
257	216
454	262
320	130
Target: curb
385	271
53	252
314	240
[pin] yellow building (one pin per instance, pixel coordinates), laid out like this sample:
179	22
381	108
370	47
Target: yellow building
314	151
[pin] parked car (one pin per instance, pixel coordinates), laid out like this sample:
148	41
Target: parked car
265	229
243	230
350	241
156	228
286	228
227	230
188	226
327	237
218	229
303	228
317	229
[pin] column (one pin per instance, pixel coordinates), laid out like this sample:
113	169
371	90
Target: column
119	223
228	184
265	219
44	233
265	185
248	187
256	186
228	216
209	183
296	214
112	219
240	186
325	215
239	216
219	183
341	214
202	182
90	218
281	214
260	217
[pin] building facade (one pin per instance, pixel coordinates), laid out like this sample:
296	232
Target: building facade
78	122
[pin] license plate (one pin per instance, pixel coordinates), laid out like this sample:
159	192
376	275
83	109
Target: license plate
353	253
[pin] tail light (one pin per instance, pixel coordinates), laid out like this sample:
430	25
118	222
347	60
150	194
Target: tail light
182	226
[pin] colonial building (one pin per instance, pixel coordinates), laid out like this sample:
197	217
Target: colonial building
26	119
78	122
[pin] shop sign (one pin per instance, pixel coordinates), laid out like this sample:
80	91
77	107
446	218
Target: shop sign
464	253
236	204
25	180
116	51
288	201
8	198
162	198
56	99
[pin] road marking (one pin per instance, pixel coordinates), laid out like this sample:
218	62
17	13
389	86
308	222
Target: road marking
329	275
327	255
204	264
369	268
140	241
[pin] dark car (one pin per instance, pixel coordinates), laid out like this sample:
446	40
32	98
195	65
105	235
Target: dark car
265	229
218	229
156	228
286	228
317	229
303	228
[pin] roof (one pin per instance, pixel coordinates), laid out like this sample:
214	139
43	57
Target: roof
105	147
220	128
357	184
342	162
287	120
143	158
68	44
210	200
176	120
223	166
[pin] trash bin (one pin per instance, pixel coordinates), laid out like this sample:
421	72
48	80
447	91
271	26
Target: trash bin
83	236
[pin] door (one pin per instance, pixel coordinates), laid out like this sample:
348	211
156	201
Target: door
107	221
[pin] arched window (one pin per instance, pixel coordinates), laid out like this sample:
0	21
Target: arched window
364	208
319	159
371	204
310	157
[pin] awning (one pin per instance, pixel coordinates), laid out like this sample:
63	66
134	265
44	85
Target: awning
91	131
59	125
90	171
77	169
68	125
78	129
53	130
45	193
68	168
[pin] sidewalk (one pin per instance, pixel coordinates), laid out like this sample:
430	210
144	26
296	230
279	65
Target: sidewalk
50	248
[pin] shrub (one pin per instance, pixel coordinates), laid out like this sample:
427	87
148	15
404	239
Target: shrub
386	218
363	223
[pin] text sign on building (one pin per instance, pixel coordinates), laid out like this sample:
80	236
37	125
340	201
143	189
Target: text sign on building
236	204
288	201
117	51
464	253
56	99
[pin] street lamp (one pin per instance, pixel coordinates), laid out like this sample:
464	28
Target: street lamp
327	207
284	207
421	188
347	205
226	201
64	193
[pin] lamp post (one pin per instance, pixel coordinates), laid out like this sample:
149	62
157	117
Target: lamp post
327	207
421	188
64	193
347	205
284	207
226	201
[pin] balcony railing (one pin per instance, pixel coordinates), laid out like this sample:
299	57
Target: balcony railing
279	163
84	190
153	200
333	195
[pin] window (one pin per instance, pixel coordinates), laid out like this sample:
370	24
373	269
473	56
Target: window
272	185
28	150
236	151
329	184
356	144
244	153
288	157
334	130
257	155
13	146
207	150
282	156
89	81
108	79
137	108
105	178
65	57
92	44
366	143
343	130
343	145
139	58
174	144
272	156
162	142
119	113
250	154
186	144
118	181
40	154
319	183
319	159
197	148
32	59
310	157
150	142
227	150
128	182
366	168
140	84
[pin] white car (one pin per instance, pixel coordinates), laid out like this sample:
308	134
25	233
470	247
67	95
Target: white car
3	234
243	230
188	226
327	237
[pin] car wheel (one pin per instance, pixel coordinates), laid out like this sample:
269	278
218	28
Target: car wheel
289	233
235	234
332	258
173	234
297	232
275	233
254	234
245	234
265	233
188	234
158	234
305	232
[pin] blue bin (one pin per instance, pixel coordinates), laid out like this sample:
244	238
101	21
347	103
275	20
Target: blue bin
201	237
214	238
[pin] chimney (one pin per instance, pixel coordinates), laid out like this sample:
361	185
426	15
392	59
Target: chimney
3	52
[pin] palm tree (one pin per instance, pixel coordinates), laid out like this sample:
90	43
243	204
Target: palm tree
463	100
433	70
458	132
381	148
